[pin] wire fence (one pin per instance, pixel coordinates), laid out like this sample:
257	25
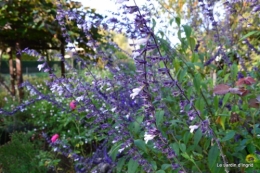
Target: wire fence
29	66
31	71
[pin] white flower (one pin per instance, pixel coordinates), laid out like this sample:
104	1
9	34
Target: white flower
142	40
135	54
136	91
120	150
127	116
113	109
40	66
148	137
192	128
218	58
80	98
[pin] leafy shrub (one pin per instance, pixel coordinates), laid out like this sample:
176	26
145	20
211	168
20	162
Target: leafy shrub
20	155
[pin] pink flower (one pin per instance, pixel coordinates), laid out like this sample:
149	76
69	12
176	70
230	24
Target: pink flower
54	138
73	104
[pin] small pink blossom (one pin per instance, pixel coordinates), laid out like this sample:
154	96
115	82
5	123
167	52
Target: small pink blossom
54	138
73	104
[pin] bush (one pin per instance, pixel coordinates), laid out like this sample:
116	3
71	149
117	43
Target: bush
20	155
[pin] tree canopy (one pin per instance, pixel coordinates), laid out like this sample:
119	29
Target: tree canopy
33	23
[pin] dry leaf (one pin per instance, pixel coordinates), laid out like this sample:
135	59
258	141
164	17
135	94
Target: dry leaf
254	103
221	89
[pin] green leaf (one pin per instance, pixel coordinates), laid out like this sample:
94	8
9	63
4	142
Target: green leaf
186	156
225	99
165	166
206	144
186	137
162	33
114	150
213	157
120	164
41	25
154	24
160	171
187	30
194	57
153	163
132	166
181	74
175	147
200	104
178	21
221	121
229	136
192	43
179	35
182	147
171	20
191	65
176	64
196	82
248	35
140	144
197	155
234	71
159	117
251	148
135	126
216	102
197	137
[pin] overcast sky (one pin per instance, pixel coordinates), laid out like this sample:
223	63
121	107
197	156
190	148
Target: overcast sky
100	5
104	5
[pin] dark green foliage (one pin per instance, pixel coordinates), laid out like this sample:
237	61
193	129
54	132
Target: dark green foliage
20	155
33	24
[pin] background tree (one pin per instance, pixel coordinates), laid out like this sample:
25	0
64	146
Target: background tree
33	24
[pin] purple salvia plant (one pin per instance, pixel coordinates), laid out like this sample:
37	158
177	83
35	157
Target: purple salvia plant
111	106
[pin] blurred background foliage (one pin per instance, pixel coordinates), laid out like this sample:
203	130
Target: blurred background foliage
233	25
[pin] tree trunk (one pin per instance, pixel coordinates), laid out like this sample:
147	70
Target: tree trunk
19	73
62	65
12	74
